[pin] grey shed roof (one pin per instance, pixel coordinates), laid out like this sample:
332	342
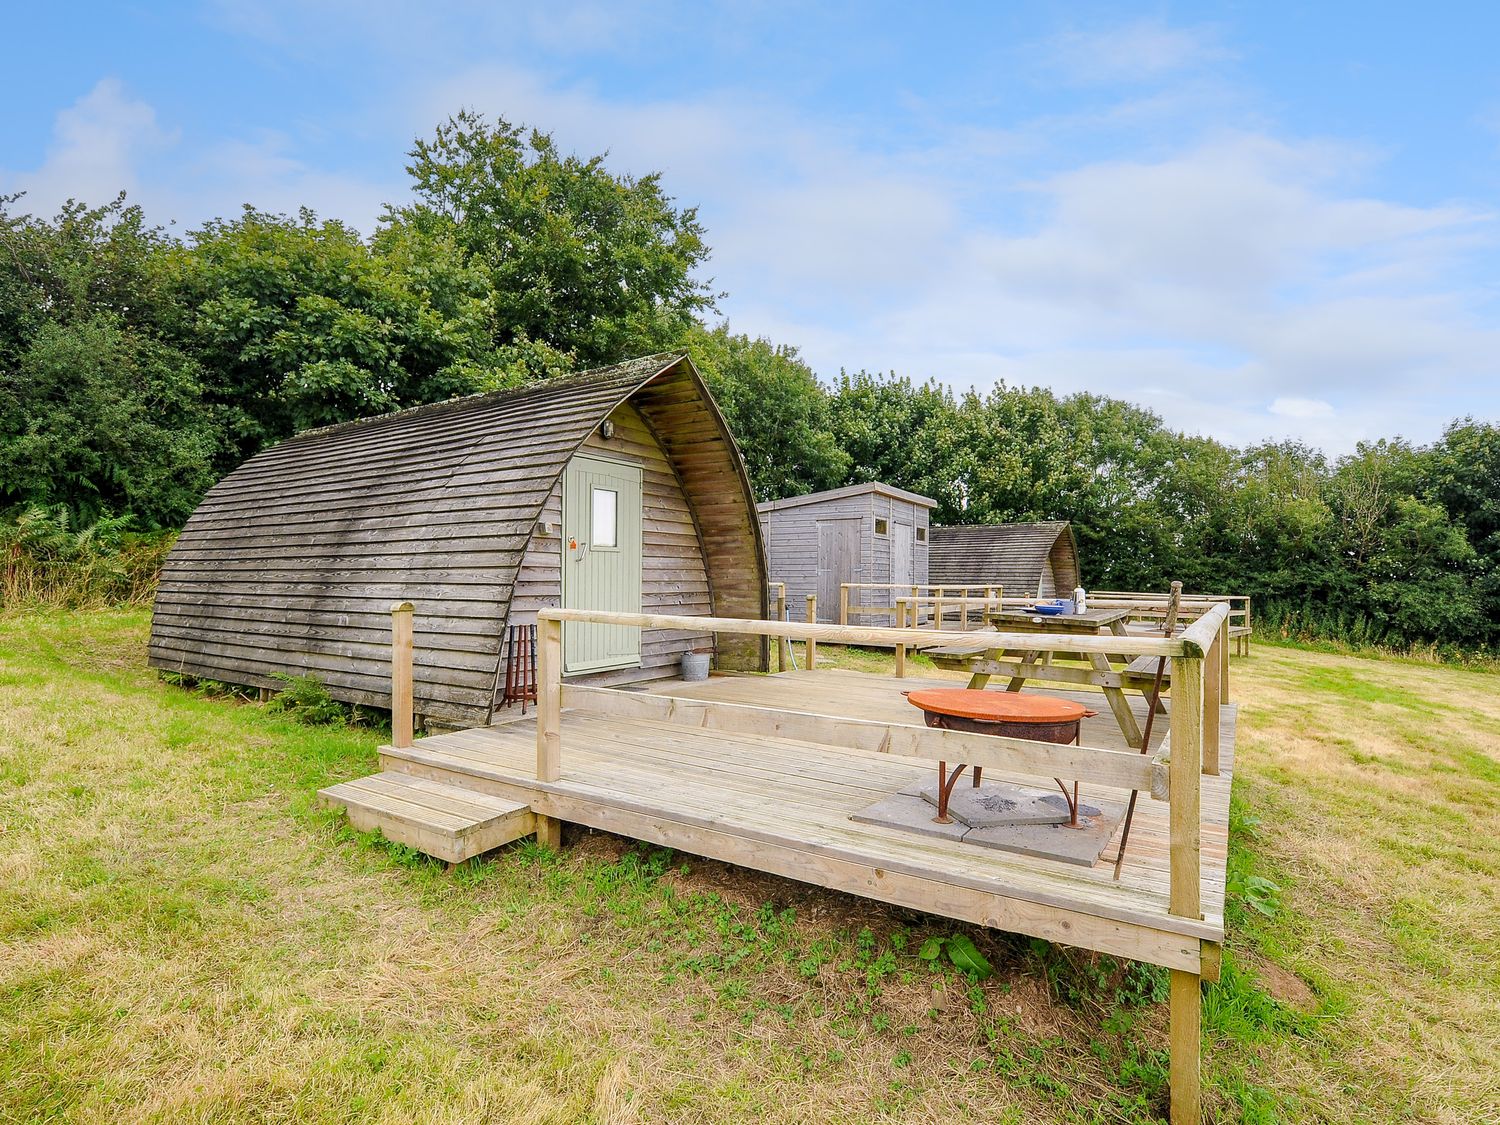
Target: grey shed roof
292	562
849	490
1013	554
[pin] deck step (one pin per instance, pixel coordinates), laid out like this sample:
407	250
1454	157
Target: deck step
439	820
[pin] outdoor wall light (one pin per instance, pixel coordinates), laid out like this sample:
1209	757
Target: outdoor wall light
606	429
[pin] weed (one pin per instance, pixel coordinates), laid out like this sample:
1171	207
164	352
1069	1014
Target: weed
961	951
1083	979
306	699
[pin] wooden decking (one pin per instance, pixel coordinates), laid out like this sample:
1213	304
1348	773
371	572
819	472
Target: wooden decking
783	805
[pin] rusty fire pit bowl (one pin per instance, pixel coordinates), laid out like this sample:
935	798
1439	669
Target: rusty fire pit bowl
1041	718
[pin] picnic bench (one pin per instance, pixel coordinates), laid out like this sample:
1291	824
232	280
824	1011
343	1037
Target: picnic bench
982	660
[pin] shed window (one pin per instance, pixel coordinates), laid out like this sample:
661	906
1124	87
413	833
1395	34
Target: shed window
921	535
606	518
882	527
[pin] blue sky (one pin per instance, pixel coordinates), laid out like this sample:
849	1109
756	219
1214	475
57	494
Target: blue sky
1259	220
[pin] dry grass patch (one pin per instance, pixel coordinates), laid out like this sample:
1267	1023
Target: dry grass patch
185	936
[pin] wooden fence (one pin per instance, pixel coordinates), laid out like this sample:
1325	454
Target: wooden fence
922	601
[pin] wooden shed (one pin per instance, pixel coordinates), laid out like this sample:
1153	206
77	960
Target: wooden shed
1031	560
618	489
866	533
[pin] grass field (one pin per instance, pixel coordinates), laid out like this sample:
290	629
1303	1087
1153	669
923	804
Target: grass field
185	936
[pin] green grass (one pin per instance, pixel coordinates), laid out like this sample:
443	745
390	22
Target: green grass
185	935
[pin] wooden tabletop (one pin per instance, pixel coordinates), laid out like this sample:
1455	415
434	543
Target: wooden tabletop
1090	621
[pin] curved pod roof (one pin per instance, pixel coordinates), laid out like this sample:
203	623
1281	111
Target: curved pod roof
292	562
1015	555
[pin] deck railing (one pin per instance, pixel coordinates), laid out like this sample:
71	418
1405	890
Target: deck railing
1153	607
897	600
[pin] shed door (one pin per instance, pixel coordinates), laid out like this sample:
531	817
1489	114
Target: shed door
601	561
903	543
838	562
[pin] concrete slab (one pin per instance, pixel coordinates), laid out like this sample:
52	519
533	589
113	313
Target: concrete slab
910	814
908	811
1082	845
993	804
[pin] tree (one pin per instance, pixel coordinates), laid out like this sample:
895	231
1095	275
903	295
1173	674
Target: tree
1464	479
906	434
99	413
775	409
85	261
299	323
594	266
106	420
1411	566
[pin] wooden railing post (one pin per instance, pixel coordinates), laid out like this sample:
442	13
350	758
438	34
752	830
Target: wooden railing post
812	619
1224	646
401	645
548	719
1183	899
783	648
1213	681
844	603
937	608
1249	629
901	649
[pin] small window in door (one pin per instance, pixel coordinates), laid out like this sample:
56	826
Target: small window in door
605	517
921	535
882	527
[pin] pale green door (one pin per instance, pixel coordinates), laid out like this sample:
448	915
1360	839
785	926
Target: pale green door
601	561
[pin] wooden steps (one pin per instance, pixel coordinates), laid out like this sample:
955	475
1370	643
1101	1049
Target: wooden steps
439	820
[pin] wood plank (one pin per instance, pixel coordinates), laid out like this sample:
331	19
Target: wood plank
754	815
883	637
1113	768
871	880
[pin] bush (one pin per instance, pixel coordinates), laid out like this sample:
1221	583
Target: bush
47	562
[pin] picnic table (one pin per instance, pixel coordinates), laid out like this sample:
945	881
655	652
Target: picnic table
972	654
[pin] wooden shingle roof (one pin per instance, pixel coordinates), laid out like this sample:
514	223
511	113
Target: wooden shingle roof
1011	554
292	562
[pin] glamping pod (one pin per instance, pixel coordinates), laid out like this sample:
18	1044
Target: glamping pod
618	489
1031	560
865	533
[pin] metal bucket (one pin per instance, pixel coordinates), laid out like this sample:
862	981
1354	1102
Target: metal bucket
695	666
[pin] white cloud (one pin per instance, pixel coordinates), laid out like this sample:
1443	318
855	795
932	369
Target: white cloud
1301	408
1229	274
1131	52
98	145
263	171
109	141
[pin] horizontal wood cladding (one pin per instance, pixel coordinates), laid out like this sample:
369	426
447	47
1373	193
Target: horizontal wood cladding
792	542
292	562
673	575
